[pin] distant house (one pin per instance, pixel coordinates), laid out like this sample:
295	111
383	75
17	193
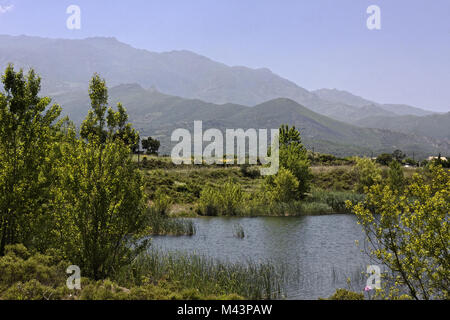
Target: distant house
436	158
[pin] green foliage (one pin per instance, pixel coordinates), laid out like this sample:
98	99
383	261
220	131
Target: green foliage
100	205
289	136
411	162
385	159
283	187
293	157
344	294
27	136
161	202
249	172
336	200
26	275
151	145
224	200
104	123
409	233
368	174
207	276
338	179
163	225
396	178
398	155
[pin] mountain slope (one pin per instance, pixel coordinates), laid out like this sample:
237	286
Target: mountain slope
154	113
436	125
67	65
364	105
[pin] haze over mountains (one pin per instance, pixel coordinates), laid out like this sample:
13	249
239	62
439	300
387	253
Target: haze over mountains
157	114
171	89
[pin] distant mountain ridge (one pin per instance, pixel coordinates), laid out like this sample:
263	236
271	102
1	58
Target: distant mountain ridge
67	65
186	86
341	96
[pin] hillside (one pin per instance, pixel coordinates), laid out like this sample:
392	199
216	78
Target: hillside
367	107
158	114
67	65
436	125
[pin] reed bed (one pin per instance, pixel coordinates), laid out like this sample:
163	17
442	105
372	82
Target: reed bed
163	225
209	276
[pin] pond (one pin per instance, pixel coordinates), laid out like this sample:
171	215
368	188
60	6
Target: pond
319	252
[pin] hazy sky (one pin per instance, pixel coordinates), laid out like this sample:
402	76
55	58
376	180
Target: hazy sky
315	43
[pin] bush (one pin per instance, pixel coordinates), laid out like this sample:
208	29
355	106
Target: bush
368	174
225	200
249	172
283	187
338	179
293	158
26	275
336	200
344	294
161	202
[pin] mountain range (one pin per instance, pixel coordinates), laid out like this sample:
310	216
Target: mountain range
166	90
156	114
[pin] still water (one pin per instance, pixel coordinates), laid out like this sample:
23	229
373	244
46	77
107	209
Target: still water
319	252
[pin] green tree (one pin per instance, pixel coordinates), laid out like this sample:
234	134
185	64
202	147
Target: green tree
27	136
398	155
409	234
368	173
289	136
293	157
101	200
283	187
102	122
410	162
396	178
151	145
384	159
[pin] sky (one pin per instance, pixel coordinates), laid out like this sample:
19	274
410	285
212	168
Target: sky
315	43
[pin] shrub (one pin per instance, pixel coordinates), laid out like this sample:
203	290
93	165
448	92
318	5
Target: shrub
408	233
368	174
225	200
336	200
161	202
283	187
344	294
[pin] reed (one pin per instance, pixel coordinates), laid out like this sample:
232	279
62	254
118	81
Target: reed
163	225
209	276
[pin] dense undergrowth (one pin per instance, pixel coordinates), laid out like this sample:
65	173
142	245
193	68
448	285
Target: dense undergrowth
29	275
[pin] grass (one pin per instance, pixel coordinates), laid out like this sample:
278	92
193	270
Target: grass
27	275
209	276
331	187
163	225
334	200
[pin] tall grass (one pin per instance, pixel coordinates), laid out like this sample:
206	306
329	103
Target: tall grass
335	199
209	276
162	225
